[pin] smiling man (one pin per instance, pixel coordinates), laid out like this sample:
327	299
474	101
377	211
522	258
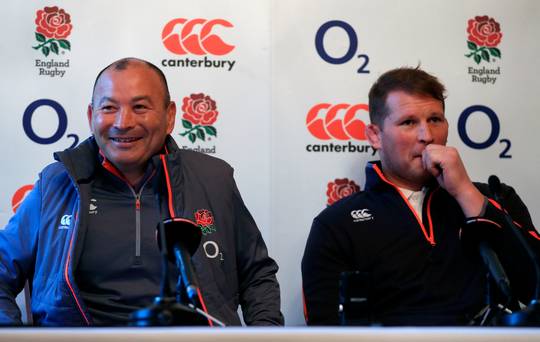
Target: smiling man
403	253
85	237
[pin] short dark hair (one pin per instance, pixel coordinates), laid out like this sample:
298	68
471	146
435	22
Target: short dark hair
414	81
123	64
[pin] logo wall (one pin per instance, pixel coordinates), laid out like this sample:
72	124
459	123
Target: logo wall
494	131
53	27
340	188
196	37
484	36
352	50
199	114
19	196
29	123
326	121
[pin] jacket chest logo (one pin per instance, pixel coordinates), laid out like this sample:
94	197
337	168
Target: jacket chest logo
205	221
360	215
93	208
65	222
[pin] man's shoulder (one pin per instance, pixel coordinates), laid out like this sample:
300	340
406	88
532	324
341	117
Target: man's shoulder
505	190
194	159
55	177
343	207
53	170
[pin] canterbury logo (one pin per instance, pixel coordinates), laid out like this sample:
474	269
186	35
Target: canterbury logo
361	215
65	222
341	121
179	37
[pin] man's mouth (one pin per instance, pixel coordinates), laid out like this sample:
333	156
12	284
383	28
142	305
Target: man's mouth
125	139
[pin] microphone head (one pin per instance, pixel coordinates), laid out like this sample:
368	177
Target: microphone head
180	231
494	184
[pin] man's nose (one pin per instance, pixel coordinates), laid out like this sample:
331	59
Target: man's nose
124	119
424	133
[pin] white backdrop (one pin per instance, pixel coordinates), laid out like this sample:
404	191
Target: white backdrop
277	76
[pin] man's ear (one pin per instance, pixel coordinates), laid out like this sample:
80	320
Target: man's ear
89	114
171	116
373	135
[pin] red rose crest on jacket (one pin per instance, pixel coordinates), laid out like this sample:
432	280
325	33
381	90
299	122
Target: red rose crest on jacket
205	221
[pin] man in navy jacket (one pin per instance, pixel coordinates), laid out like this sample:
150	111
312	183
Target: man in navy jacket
85	237
402	232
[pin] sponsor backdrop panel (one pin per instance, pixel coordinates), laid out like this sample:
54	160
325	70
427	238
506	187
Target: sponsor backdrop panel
279	90
220	71
220	82
323	69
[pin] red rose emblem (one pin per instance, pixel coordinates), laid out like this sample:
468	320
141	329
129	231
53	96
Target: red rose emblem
484	31
339	189
53	22
204	218
200	109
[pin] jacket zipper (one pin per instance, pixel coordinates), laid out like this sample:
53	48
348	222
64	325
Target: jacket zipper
137	228
138	219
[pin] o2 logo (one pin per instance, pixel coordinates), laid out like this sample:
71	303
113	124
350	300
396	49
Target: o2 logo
493	136
60	130
352	50
211	249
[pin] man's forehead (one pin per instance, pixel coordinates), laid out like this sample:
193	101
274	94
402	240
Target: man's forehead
133	68
112	78
403	100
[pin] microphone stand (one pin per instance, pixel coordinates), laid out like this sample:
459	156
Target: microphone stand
530	316
166	309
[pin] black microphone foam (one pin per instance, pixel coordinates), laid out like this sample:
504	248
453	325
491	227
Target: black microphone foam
183	232
495	186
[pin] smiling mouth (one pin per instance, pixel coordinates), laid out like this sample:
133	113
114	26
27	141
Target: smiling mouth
125	140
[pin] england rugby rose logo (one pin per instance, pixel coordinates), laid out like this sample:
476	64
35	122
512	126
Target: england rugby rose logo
199	113
205	221
53	25
484	36
339	189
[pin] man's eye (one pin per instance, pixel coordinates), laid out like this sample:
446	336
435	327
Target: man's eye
107	108
140	108
407	123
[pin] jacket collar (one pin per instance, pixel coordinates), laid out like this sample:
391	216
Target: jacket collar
376	179
81	161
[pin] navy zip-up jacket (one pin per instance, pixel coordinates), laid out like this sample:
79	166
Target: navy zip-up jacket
413	272
42	241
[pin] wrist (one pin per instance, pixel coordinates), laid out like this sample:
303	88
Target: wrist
471	201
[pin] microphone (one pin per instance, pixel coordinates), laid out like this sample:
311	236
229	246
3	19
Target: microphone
182	238
530	316
496	189
482	237
491	260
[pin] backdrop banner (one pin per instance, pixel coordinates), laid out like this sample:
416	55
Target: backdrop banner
285	87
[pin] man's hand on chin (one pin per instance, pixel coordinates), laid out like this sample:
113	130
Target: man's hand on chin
445	164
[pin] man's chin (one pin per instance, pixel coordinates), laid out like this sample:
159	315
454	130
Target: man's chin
421	176
126	162
426	178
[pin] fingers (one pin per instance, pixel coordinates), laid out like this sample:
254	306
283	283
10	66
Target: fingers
433	158
444	163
